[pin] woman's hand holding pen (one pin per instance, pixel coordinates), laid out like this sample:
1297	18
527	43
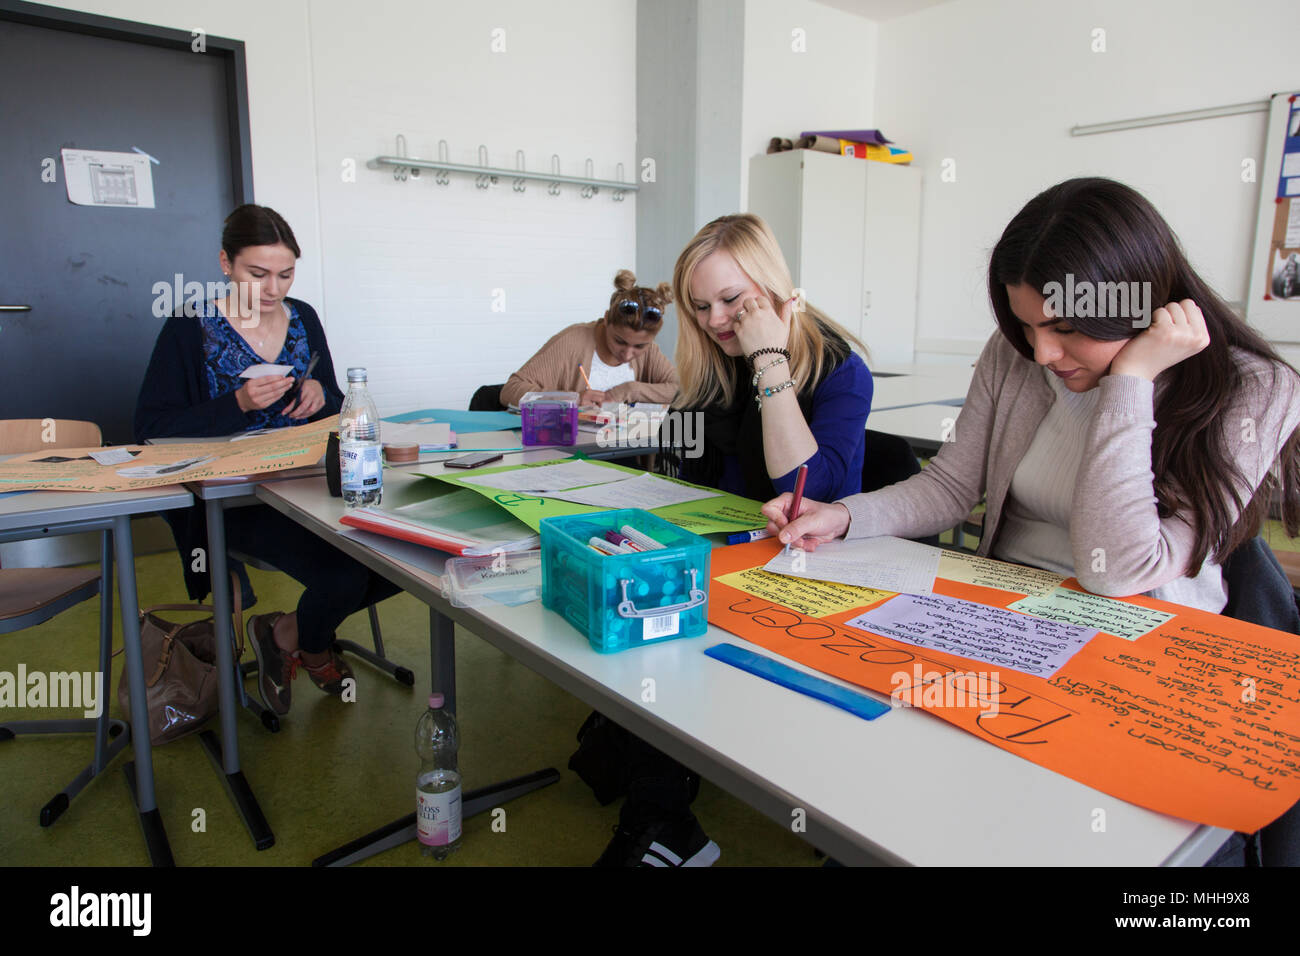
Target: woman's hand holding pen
815	524
1177	332
591	396
758	326
310	400
262	392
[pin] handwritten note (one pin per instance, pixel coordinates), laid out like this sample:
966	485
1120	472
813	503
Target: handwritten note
813	598
1199	719
988	573
996	636
884	563
1090	610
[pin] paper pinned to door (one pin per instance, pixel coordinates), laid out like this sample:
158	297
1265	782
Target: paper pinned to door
96	177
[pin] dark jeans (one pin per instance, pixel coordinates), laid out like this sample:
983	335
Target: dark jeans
336	585
614	761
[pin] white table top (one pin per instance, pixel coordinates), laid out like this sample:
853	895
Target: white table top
49	507
905	788
924	426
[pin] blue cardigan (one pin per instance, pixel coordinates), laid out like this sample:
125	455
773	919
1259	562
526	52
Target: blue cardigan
174	403
174	399
836	413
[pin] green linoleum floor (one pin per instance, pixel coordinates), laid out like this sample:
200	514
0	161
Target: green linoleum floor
334	771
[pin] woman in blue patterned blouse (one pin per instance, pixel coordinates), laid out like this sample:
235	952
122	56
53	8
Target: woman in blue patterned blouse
194	387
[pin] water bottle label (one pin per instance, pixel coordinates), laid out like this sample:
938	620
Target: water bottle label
360	467
438	816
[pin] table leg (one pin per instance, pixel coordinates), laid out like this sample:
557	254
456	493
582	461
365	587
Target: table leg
442	657
225	757
155	837
442	660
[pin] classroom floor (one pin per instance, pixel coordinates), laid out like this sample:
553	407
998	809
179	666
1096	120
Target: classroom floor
335	771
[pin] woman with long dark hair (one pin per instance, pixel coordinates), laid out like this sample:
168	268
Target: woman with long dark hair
1131	445
1124	425
194	388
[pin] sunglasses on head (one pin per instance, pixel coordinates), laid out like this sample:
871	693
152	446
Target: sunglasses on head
629	307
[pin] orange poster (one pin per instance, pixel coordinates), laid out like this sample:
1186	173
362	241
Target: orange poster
1188	713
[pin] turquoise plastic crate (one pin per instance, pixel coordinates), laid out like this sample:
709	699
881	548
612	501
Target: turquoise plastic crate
624	600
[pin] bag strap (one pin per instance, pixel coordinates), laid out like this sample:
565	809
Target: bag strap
236	596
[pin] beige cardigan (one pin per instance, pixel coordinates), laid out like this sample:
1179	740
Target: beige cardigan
1114	515
555	368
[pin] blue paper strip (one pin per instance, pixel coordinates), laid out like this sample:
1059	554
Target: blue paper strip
868	708
463	421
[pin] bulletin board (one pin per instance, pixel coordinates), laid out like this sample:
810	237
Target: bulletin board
1273	300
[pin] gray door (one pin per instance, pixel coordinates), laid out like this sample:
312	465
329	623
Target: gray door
88	274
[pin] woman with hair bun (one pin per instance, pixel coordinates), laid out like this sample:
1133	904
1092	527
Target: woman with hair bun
617	352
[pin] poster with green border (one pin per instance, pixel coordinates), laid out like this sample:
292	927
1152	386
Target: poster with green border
724	513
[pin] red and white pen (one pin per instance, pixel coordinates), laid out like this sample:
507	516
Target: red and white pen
792	511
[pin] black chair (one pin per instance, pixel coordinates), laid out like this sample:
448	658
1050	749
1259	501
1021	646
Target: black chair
487	399
886	460
1260	592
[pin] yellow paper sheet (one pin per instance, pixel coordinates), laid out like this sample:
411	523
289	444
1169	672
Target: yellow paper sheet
814	598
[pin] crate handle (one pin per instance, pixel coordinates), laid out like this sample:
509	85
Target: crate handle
627	609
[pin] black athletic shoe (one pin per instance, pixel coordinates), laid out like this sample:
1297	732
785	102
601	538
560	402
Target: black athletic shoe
682	843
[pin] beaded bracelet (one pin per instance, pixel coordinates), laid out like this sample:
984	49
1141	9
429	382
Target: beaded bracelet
759	373
772	390
753	355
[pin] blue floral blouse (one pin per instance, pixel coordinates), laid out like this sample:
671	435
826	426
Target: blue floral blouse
226	355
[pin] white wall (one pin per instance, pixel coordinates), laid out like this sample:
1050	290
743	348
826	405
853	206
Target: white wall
995	86
831	85
404	274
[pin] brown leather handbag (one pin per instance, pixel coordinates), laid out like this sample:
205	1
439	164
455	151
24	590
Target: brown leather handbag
180	667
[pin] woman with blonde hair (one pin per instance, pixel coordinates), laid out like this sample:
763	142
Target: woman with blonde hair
777	380
779	387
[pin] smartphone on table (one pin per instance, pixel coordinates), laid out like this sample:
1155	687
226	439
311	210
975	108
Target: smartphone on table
473	460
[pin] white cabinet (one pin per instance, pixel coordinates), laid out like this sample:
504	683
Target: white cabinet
850	230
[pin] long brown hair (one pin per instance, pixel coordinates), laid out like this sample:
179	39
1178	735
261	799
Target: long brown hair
1099	231
703	369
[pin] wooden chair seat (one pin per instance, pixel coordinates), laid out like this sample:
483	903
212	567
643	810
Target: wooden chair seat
26	591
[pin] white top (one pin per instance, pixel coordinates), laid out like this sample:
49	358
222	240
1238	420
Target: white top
1036	529
1036	526
604	377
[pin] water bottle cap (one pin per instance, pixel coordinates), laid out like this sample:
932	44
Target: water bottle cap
356	375
436	701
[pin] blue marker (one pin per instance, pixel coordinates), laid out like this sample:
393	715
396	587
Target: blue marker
744	537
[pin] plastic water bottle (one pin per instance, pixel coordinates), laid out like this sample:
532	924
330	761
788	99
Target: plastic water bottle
361	468
437	788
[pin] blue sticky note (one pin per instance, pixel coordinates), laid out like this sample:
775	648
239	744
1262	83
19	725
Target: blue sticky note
463	421
855	702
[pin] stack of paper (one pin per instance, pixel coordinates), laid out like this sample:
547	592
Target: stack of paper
430	436
461	522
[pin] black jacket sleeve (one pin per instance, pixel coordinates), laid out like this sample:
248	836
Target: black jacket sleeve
173	400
